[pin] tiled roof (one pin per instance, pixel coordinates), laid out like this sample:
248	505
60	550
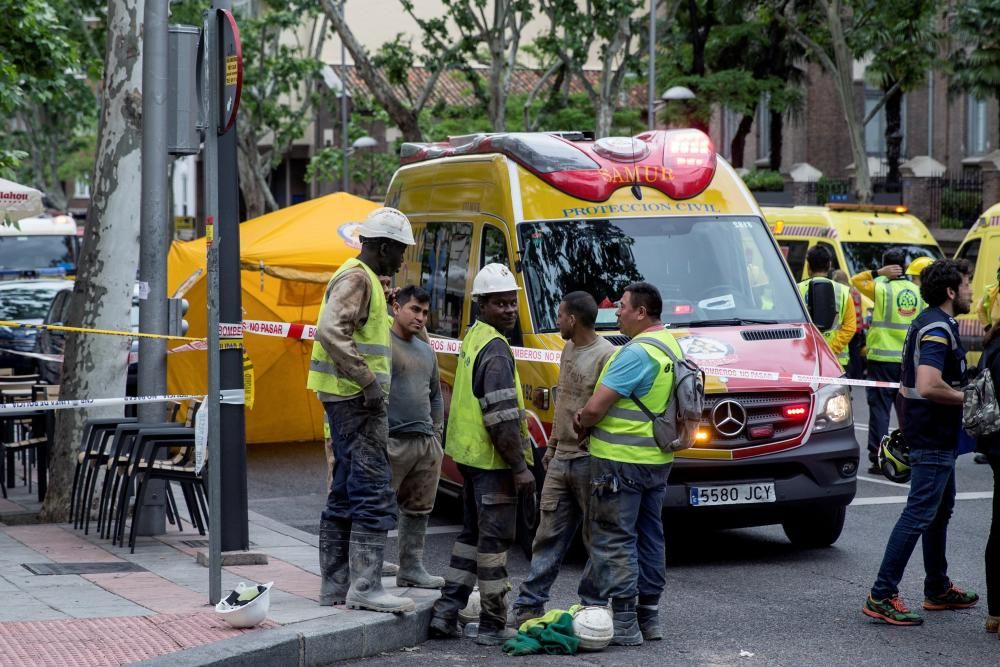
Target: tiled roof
453	88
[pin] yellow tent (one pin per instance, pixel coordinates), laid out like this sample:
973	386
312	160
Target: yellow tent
287	258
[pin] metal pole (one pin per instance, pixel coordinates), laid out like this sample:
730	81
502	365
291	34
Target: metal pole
153	232
651	92
235	523
210	87
344	140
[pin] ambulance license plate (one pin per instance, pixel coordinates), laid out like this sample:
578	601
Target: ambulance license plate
732	494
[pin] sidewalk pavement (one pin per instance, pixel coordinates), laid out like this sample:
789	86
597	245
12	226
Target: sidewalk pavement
152	607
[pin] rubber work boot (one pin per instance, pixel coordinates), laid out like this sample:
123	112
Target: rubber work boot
649	622
366	590
389	569
627	632
334	563
494	636
442	628
412	529
518	615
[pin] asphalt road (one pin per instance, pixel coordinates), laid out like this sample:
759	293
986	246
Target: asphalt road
737	597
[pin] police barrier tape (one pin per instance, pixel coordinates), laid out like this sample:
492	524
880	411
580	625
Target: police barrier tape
452	346
228	396
104	332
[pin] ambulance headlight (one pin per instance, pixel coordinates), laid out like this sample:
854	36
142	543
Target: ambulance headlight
833	408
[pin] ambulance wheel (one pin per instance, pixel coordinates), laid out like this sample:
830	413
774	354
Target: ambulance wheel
815	527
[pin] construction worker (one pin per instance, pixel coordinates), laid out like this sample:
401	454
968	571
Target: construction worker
416	425
628	470
350	373
488	439
566	490
839	336
897	302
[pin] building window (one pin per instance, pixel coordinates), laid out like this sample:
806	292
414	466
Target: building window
445	250
81	188
977	139
875	129
763	124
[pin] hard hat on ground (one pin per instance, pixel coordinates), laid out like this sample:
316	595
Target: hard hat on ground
918	265
894	457
387	223
494	279
594	627
246	606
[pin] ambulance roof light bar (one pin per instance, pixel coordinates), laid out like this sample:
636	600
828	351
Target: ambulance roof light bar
868	208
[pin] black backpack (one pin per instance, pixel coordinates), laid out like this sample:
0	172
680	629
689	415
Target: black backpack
821	300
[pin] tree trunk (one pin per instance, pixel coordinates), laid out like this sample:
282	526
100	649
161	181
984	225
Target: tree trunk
250	187
777	140
893	137
844	81
737	148
95	366
405	118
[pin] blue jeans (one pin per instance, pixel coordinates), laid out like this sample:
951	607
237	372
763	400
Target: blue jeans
928	509
626	529
880	402
562	508
361	489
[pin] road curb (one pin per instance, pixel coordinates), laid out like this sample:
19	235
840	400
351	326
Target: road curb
353	634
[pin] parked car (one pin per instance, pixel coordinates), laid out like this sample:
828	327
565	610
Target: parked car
54	342
39	247
24	301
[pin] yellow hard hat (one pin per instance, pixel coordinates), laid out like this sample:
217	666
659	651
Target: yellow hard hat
918	265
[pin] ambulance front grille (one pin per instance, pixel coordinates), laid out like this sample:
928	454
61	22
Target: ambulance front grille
762	408
788	333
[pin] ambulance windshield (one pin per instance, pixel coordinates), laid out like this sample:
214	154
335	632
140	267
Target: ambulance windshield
710	271
862	256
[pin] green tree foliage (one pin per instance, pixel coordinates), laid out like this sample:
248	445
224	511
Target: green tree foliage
733	56
975	64
50	54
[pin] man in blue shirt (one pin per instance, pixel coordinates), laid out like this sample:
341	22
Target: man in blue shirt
930	414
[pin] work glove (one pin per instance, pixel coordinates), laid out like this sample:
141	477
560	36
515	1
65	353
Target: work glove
373	395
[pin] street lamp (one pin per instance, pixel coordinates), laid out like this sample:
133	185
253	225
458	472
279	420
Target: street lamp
677	93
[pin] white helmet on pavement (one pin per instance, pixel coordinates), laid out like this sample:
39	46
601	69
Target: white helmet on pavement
387	223
594	627
246	606
494	279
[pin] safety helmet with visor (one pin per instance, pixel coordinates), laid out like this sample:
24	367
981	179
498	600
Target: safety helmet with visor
894	457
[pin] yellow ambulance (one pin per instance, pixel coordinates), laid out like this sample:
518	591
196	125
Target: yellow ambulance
981	247
565	213
857	235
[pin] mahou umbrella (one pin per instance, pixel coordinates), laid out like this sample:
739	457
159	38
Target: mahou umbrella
18	201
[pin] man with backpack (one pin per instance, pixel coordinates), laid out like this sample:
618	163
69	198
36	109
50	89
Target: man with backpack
628	469
830	304
930	417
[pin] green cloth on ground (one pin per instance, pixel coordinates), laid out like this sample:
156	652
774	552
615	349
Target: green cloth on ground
551	634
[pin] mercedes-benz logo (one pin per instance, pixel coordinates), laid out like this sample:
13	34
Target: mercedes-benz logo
729	418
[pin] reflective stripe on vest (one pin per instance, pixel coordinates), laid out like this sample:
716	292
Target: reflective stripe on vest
372	340
911	392
625	433
843	293
468	441
897	304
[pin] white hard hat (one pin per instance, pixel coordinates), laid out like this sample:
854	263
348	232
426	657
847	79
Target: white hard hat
240	613
471	612
494	279
387	223
594	627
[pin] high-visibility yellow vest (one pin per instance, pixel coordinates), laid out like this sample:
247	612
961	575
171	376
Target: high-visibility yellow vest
372	341
468	442
843	293
625	433
897	303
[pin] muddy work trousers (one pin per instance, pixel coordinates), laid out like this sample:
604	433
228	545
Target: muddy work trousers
361	491
562	509
416	468
626	529
480	551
